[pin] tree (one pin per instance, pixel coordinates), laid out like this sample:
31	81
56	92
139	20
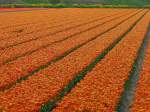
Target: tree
54	1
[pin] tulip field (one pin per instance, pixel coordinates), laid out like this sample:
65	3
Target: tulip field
74	59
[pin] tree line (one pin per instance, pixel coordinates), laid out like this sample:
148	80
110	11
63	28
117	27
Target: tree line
79	1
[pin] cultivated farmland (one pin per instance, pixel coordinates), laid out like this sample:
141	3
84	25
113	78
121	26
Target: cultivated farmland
74	60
